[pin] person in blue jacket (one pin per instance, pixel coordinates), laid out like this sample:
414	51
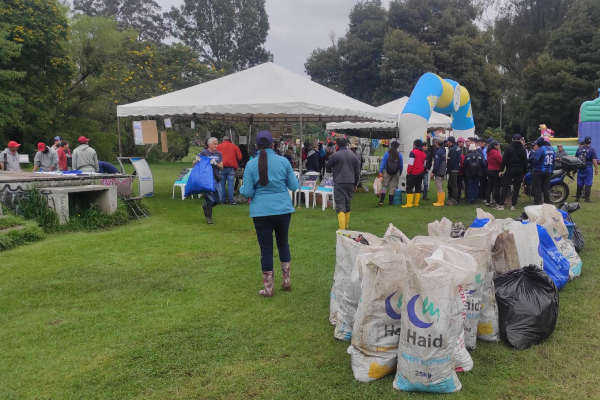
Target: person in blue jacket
267	180
439	171
453	166
543	164
392	164
585	177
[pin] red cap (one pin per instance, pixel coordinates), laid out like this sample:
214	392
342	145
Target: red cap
41	147
461	139
83	139
12	143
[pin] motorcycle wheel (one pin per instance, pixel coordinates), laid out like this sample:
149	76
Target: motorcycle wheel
559	193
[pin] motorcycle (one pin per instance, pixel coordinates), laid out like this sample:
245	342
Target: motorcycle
559	189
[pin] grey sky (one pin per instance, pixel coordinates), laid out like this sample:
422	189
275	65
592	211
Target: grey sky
298	27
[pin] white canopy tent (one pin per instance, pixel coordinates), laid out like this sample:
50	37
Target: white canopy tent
437	120
265	93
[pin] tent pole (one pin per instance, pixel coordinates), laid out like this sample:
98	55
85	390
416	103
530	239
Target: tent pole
301	144
119	133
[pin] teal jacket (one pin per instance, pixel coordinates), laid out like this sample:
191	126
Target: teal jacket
273	199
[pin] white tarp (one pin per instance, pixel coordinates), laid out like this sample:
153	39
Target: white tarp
264	91
436	120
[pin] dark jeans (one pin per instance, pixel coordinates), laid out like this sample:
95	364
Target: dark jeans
483	183
494	182
343	193
541	187
461	182
472	187
453	185
512	176
264	233
414	183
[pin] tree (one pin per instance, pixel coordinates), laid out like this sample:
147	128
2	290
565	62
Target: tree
361	50
40	28
405	59
144	16
324	65
10	100
228	34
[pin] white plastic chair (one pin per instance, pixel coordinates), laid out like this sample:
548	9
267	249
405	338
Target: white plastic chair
325	198
181	186
373	163
309	191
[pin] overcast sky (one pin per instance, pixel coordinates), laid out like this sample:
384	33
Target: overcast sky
298	27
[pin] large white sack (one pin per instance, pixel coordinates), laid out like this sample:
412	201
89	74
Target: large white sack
376	327
395	235
430	323
528	241
440	228
549	217
349	301
346	251
567	249
488	328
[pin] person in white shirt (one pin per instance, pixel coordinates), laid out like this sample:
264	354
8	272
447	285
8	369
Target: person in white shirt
9	158
45	159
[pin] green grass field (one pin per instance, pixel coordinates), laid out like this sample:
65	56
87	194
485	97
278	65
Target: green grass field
167	308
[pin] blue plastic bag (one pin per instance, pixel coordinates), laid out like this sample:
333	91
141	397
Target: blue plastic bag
555	264
480	222
201	179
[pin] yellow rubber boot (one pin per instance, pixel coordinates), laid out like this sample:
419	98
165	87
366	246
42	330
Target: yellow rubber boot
441	199
342	220
417	198
347	219
409	200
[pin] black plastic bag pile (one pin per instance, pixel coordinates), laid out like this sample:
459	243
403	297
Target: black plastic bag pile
527	306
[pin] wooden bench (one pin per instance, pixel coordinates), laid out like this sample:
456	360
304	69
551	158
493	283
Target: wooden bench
62	199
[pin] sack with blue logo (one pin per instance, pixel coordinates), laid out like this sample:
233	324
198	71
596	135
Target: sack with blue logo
201	179
431	321
376	327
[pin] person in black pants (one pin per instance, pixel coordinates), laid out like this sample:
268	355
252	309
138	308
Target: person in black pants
514	165
453	166
543	164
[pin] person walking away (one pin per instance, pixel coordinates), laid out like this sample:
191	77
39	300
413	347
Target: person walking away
312	159
390	170
560	154
514	167
212	199
358	154
493	173
322	160
453	167
57	143
428	164
242	164
45	159
9	158
414	174
85	158
65	160
585	177
439	171
474	165
267	180
543	164
346	175
231	157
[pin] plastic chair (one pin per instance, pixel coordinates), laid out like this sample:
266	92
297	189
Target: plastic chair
294	194
125	191
182	182
325	197
307	192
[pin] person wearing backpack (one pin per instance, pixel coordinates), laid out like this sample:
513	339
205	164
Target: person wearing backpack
585	177
392	164
474	166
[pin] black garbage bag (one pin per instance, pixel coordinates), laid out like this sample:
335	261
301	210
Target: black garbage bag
527	306
578	239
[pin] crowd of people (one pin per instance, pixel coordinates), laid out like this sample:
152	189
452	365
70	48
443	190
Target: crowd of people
57	157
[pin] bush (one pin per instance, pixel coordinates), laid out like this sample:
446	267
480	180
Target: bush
30	232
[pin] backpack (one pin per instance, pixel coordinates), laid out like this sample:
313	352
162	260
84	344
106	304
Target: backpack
474	168
391	169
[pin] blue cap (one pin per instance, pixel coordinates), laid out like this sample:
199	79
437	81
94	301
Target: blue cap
490	140
540	141
57	138
587	140
264	138
516	137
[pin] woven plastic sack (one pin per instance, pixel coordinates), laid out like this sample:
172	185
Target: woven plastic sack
347	250
440	228
431	321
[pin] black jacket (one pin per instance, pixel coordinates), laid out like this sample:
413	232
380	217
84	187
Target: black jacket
345	167
515	156
453	158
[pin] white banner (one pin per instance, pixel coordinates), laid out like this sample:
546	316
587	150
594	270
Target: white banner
243	139
144	175
138	137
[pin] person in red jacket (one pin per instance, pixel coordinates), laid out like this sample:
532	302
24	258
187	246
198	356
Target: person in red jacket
64	156
414	174
231	157
494	160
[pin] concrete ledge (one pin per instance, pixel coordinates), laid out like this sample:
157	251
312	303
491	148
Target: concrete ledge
61	199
